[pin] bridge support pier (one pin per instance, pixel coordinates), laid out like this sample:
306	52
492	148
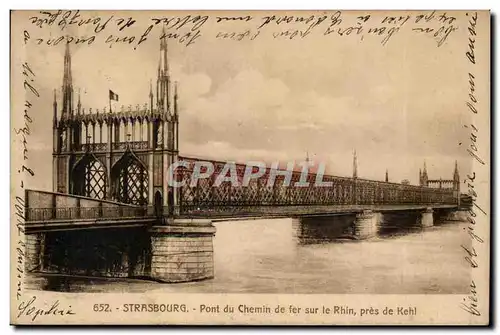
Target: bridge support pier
182	250
35	244
426	218
449	215
322	229
366	225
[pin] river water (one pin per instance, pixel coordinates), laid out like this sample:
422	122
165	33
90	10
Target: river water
265	256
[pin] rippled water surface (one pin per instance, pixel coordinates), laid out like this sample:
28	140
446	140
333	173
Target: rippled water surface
265	256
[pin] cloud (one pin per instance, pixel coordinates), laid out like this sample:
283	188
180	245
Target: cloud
395	104
254	116
250	110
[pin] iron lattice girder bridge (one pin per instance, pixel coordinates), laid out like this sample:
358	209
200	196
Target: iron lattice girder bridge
202	198
122	170
202	195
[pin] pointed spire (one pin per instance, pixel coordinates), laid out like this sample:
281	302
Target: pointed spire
176	100
55	107
307	156
67	87
67	61
164	49
150	96
355	165
159	67
456	175
424	178
79	105
386	175
163	90
163	66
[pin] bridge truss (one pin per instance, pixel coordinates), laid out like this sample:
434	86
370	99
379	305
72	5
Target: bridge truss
204	196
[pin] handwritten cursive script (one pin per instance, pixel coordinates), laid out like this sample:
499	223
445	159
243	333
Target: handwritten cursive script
471	303
22	134
52	27
31	309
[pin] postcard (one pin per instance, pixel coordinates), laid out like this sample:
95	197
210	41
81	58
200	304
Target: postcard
250	167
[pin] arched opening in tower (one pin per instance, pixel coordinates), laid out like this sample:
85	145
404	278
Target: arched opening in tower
89	178
130	181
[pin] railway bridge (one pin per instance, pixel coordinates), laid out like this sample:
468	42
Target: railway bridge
125	203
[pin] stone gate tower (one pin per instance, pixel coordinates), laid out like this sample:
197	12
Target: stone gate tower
118	155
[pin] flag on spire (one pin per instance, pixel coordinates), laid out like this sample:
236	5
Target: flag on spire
113	96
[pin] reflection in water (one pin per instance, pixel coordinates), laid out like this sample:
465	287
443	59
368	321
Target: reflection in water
285	256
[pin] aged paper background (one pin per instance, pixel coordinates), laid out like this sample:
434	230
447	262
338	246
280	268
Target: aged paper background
398	95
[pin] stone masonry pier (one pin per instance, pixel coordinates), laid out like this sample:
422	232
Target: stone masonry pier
364	224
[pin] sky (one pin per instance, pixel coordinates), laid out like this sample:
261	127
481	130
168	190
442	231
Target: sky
269	99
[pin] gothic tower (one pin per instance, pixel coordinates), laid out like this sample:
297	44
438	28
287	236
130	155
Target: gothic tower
126	153
165	129
456	175
425	177
64	132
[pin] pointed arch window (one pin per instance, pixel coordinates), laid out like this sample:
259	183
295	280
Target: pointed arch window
131	180
89	178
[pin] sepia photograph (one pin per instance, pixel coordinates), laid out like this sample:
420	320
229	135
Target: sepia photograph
250	167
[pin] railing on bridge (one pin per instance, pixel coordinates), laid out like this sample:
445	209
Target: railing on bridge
45	214
45	206
204	196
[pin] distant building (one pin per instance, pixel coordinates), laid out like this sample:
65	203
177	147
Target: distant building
405	182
